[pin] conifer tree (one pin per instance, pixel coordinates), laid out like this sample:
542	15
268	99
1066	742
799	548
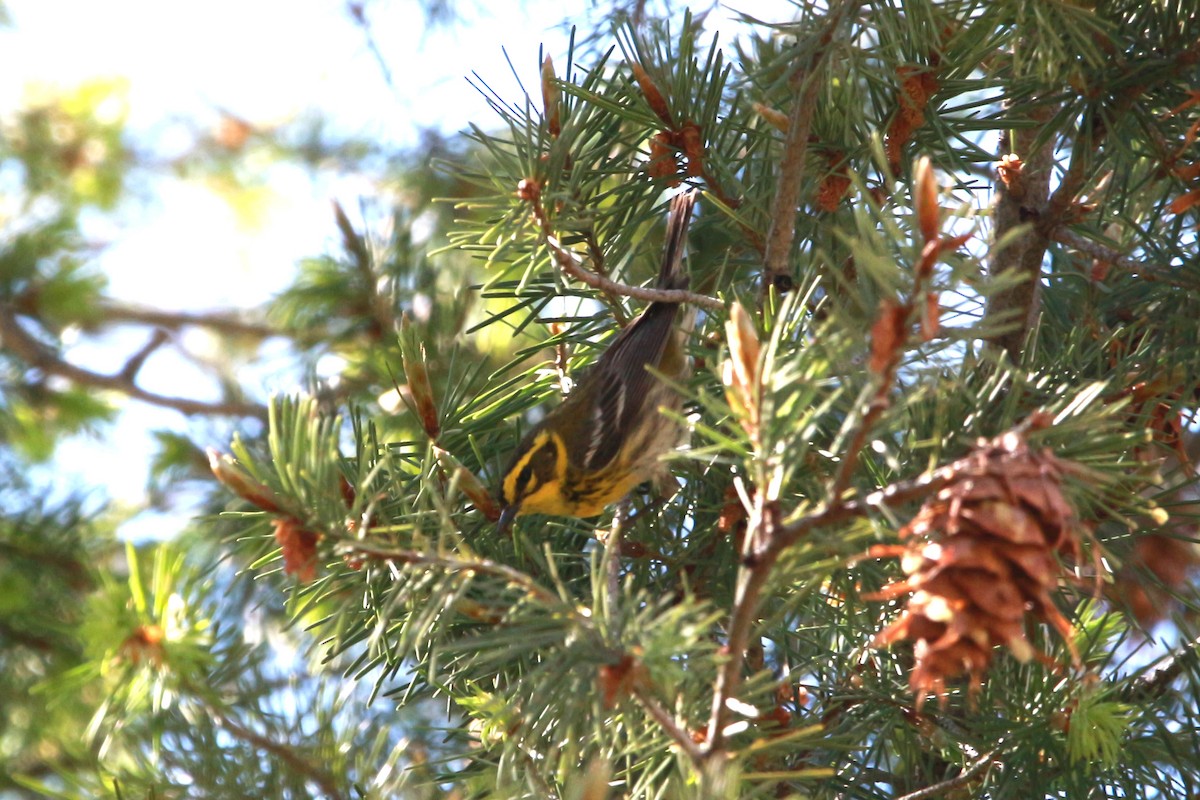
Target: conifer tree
938	484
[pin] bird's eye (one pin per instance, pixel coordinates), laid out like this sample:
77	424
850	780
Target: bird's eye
524	476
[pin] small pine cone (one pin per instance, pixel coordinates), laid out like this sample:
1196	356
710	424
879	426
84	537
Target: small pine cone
664	158
836	182
299	548
1159	568
982	559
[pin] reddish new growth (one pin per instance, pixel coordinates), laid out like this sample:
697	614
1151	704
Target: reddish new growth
1172	562
836	182
299	548
982	561
917	85
144	645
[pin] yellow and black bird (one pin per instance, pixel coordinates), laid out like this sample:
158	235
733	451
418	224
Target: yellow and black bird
608	435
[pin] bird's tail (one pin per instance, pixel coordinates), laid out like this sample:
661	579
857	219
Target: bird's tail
672	276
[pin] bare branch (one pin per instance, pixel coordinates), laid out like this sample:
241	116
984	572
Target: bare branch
113	312
1107	254
284	752
1157	681
135	362
961	779
665	721
805	83
1022	195
22	344
571	265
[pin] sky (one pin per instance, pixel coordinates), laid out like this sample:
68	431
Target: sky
267	61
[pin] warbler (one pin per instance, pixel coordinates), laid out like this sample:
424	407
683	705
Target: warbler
607	435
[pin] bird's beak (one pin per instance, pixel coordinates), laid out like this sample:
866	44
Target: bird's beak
507	515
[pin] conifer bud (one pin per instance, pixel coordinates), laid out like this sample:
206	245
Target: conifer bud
551	98
777	119
654	98
887	336
299	548
468	483
925	199
234	478
741	369
412	354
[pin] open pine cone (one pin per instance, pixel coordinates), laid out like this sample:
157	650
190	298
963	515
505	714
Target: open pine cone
982	558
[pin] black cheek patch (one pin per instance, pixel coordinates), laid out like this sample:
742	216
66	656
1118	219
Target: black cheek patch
524	479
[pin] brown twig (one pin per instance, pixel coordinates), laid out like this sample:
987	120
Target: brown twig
134	364
961	779
1155	682
805	83
1107	254
110	312
284	752
1021	197
612	554
22	344
665	721
481	566
358	13
598	267
894	494
572	266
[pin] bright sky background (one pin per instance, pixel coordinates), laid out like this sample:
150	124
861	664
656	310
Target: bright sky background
267	61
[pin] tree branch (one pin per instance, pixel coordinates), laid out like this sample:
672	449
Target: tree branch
665	721
113	312
135	362
23	345
1102	252
1022	194
284	752
805	82
571	265
961	779
1155	682
481	566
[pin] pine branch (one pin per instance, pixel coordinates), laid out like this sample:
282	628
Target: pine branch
961	779
284	752
482	566
19	342
683	740
805	83
1108	255
1158	681
572	266
768	538
1022	193
111	312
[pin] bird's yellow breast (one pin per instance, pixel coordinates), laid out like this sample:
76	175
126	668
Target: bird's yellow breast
570	492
